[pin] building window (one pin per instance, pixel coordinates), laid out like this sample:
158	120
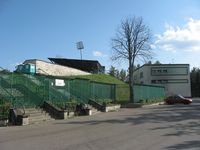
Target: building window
178	81
164	81
169	71
153	71
165	71
159	70
169	81
27	66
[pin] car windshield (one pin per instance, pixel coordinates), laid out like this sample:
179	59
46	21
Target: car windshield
181	96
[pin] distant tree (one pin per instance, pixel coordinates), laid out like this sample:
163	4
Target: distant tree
132	41
138	66
157	62
149	62
112	71
117	74
195	82
122	75
2	70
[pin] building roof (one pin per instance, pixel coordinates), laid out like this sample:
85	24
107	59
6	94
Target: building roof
86	65
34	60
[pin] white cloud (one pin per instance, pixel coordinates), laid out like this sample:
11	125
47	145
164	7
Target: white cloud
98	54
180	38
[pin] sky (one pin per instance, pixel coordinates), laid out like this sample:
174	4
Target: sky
38	29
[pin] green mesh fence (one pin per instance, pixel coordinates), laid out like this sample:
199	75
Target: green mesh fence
148	93
80	89
122	92
24	90
102	91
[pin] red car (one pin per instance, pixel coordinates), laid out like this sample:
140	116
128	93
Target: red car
178	99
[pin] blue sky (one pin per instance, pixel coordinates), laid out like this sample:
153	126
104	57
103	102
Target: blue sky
38	29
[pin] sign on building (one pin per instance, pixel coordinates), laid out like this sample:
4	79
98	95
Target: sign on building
59	82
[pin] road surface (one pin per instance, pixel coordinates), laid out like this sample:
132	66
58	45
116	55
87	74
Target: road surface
163	127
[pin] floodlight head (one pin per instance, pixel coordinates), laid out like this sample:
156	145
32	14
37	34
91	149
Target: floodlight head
79	45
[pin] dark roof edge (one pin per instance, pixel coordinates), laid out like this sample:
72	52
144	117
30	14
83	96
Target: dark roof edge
73	59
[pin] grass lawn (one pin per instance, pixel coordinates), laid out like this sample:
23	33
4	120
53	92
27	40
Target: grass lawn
103	78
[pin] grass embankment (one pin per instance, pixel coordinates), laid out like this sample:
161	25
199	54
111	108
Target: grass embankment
103	78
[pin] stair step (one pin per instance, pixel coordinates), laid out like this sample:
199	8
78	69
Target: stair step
32	110
94	110
37	115
39	119
32	121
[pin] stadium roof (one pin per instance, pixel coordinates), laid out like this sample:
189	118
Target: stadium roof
92	66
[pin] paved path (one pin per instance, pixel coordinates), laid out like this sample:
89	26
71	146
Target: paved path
153	128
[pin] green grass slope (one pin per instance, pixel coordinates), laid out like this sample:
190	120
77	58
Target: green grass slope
103	78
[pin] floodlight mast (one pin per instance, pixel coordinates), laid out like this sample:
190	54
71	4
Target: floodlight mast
80	46
81	53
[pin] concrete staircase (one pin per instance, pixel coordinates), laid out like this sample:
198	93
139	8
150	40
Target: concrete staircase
94	110
37	115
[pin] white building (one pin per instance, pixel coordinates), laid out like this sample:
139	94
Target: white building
174	77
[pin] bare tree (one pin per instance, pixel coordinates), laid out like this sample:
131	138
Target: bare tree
131	42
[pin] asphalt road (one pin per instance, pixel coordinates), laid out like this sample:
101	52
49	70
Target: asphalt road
163	127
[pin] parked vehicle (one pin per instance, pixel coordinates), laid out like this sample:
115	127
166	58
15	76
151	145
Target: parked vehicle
178	99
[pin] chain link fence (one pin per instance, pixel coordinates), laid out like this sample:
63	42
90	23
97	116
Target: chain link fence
25	90
148	93
33	90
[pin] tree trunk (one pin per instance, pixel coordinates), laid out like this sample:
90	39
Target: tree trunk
131	83
131	93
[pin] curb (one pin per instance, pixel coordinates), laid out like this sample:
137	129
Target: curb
154	104
138	105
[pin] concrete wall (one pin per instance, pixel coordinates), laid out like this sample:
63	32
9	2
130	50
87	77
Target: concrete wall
47	68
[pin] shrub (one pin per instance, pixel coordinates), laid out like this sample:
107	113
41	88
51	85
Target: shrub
104	102
66	105
4	110
150	101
